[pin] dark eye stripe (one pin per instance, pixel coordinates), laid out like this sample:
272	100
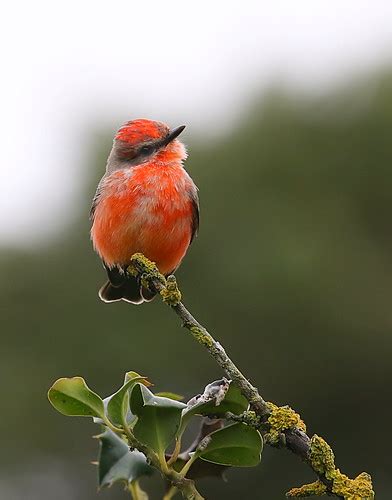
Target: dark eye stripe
145	150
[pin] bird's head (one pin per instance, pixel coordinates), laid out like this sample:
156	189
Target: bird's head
139	141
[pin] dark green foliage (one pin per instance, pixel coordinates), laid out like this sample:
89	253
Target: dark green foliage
155	422
118	405
117	463
158	418
237	445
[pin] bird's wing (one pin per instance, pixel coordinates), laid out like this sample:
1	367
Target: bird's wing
195	214
96	200
194	221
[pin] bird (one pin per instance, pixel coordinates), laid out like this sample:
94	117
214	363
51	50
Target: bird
147	203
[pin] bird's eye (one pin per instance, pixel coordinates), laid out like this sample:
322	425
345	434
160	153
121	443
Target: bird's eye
146	150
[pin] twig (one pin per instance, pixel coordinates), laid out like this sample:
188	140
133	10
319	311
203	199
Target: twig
136	492
170	493
281	426
185	486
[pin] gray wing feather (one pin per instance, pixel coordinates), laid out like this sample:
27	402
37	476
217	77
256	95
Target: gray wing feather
195	214
96	199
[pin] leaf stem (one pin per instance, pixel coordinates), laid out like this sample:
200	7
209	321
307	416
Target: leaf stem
184	471
112	427
170	493
185	486
164	465
176	451
136	492
127	431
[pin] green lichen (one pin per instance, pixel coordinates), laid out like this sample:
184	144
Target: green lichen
322	460
251	418
307	490
321	457
282	418
171	295
360	488
145	269
248	417
201	335
140	264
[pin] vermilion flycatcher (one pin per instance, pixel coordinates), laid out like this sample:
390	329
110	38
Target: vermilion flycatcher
146	202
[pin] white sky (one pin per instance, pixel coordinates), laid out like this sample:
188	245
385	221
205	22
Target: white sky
70	69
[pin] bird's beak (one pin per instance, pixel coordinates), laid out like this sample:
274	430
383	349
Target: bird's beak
172	135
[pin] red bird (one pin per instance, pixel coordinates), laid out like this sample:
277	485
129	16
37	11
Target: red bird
146	202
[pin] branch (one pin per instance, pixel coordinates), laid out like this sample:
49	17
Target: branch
280	426
185	486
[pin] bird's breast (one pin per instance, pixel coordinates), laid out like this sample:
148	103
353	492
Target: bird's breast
145	209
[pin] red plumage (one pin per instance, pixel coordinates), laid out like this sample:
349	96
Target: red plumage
146	202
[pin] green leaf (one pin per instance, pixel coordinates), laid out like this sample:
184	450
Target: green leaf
118	405
170	395
133	375
201	468
237	445
117	463
218	398
72	397
158	418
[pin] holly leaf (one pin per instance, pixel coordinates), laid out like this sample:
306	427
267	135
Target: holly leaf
236	445
158	418
117	463
170	395
132	375
73	397
201	468
118	404
128	377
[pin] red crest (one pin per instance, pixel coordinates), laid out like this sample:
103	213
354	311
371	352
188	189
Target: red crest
138	131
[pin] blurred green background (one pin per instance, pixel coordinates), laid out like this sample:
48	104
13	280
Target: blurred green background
292	272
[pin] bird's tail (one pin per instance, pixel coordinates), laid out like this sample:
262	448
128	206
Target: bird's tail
129	290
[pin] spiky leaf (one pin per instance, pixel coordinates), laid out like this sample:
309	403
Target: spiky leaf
118	404
117	463
158	418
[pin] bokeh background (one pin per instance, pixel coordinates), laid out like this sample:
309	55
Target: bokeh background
288	107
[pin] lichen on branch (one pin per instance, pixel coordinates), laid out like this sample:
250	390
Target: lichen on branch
281	419
171	295
280	425
317	488
322	460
